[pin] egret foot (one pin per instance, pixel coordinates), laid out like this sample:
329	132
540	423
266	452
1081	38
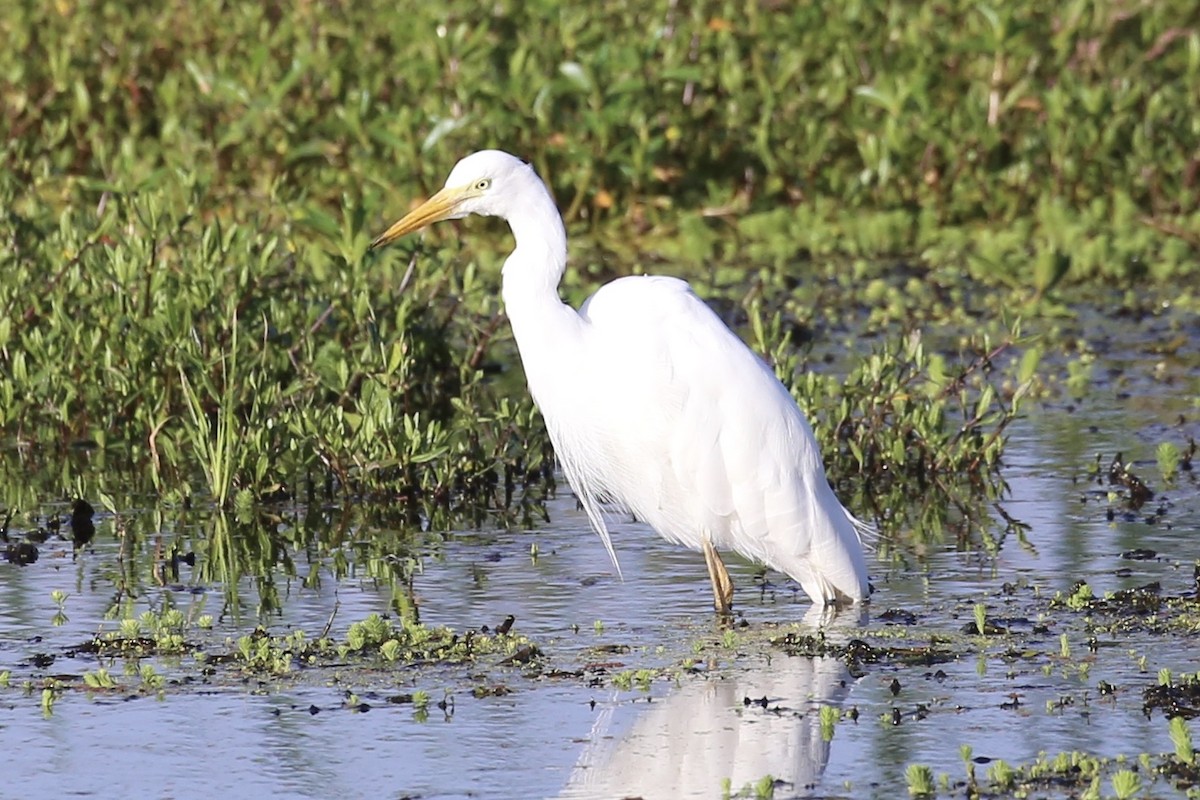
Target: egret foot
722	586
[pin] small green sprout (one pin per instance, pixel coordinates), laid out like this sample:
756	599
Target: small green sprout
920	780
1080	598
100	679
60	601
1002	774
1126	783
150	677
1169	457
830	716
1181	737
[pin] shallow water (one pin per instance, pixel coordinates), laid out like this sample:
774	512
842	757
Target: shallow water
563	736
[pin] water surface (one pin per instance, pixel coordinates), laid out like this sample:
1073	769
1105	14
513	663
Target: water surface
569	732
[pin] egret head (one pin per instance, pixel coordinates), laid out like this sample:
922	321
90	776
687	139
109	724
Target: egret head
481	183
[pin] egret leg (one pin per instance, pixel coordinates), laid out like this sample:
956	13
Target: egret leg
722	585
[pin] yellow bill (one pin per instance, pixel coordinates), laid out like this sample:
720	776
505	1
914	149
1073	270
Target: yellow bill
443	205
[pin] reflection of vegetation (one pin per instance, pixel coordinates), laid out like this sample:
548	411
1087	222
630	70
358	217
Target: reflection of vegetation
264	548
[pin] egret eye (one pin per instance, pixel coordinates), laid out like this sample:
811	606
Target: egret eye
483	184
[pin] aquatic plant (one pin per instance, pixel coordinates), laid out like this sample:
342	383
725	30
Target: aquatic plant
967	754
926	438
1078	599
60	601
100	679
830	716
1181	737
49	696
1126	783
216	443
920	780
261	652
1002	774
150	677
1169	458
390	650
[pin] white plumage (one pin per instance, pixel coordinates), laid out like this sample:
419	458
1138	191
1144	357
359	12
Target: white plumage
654	406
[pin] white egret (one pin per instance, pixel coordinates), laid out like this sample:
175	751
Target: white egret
654	406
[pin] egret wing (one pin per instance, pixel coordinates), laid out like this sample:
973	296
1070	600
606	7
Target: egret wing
693	433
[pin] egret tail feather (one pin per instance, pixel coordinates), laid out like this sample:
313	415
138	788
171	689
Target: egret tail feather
868	534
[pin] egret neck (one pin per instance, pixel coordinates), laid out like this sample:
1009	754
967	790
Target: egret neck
541	322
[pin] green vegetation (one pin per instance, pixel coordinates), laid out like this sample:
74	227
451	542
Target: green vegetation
920	780
371	645
1181	737
60	601
925	432
261	651
1126	784
991	132
762	789
830	716
1169	458
193	336
186	208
